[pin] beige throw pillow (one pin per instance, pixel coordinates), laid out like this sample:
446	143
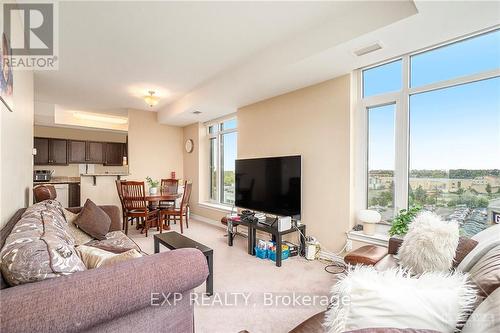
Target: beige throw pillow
93	257
79	236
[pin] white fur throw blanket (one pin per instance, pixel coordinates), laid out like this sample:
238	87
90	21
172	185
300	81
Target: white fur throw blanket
429	245
367	298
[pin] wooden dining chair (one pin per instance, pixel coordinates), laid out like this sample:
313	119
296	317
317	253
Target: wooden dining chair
134	199
178	213
169	186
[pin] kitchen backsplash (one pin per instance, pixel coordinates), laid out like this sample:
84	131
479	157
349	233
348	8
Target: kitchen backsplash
72	170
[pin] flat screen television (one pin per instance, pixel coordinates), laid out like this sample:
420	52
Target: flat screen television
270	185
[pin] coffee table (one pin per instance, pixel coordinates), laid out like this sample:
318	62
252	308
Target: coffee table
173	241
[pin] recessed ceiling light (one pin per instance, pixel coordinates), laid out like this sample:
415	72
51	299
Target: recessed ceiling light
196	112
365	50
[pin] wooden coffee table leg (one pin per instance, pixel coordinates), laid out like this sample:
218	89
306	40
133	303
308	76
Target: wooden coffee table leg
210	278
157	245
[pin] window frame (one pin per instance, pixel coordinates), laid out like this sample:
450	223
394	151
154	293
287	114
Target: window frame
402	132
219	143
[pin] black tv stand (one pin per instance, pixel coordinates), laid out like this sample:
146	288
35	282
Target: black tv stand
277	236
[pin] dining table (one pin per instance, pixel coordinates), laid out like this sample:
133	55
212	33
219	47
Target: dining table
162	196
154	199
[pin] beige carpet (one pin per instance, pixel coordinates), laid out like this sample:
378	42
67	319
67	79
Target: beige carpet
259	280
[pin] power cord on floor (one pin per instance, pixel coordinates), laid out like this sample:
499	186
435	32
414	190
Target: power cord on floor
336	265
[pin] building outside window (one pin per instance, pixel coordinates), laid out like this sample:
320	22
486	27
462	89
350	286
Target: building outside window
429	129
223	138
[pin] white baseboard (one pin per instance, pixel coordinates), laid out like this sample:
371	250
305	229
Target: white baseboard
208	221
328	255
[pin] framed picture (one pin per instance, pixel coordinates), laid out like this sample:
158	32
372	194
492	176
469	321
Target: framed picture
7	75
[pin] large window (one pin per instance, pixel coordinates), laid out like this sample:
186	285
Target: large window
381	159
443	107
223	144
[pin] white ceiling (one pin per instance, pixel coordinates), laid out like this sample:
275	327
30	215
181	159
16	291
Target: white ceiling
218	56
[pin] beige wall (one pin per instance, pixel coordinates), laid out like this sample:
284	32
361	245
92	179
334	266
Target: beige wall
313	122
79	134
16	152
155	150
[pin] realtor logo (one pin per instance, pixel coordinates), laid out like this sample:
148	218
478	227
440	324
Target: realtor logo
37	20
31	32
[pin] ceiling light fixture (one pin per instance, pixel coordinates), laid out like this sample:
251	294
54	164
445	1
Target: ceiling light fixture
196	112
104	119
151	100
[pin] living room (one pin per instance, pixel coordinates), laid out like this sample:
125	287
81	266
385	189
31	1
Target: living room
274	173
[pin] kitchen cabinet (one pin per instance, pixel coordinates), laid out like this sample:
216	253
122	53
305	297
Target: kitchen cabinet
58	152
114	153
42	151
50	151
95	152
77	151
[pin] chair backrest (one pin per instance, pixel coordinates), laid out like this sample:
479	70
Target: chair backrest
133	195
44	192
187	193
119	190
170	185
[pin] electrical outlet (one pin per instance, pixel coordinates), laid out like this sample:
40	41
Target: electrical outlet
348	245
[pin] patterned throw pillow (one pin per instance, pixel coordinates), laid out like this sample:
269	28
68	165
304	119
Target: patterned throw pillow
116	242
39	246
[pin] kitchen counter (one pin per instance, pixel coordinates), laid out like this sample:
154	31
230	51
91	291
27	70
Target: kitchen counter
114	174
59	180
104	174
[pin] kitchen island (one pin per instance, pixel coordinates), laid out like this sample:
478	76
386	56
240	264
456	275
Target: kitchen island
100	188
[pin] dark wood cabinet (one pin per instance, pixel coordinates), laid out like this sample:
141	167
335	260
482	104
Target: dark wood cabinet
42	151
95	152
74	195
77	151
50	151
114	153
58	152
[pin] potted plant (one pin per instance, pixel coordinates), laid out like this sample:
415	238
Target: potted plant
153	185
402	221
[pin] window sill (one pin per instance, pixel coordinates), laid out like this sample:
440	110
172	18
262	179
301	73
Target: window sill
216	206
381	239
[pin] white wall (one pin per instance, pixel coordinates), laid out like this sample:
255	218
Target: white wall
16	152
